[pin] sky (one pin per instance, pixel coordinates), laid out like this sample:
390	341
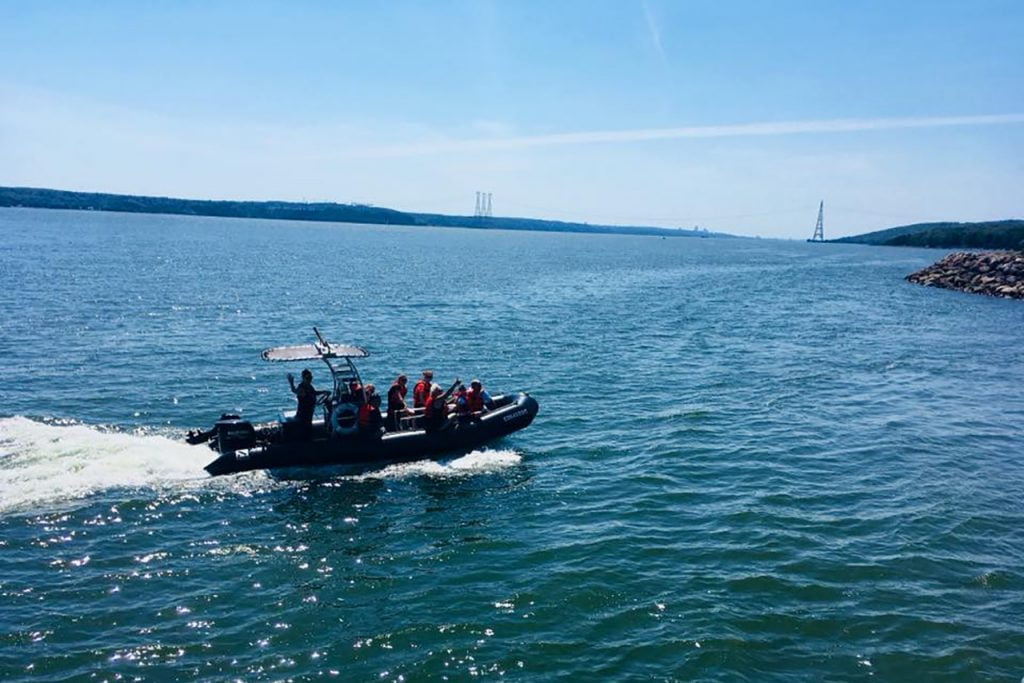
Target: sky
734	116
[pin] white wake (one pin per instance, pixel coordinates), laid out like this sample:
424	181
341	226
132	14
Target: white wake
475	462
43	464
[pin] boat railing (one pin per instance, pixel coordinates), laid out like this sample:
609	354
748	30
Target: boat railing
409	421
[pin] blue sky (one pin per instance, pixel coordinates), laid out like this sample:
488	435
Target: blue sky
737	116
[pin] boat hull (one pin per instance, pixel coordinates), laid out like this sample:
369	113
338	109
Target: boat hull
357	452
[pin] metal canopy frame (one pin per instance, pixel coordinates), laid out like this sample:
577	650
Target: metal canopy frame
341	375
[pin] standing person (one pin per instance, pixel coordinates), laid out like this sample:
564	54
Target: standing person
396	403
421	392
306	395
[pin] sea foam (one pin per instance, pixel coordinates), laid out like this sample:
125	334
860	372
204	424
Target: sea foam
43	464
474	462
46	465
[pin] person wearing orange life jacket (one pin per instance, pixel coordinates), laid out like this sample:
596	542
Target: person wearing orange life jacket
478	401
370	420
421	392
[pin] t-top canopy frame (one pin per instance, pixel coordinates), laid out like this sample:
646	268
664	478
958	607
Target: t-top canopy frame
325	351
322	349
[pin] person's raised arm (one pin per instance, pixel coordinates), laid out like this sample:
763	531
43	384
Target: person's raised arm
451	390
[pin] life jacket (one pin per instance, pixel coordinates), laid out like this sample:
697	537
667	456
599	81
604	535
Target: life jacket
436	407
420	393
365	416
475	400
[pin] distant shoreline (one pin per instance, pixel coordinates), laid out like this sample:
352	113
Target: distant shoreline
326	212
1004	234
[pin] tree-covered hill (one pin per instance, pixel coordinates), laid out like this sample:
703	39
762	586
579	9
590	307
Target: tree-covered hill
40	198
97	201
1001	235
1005	234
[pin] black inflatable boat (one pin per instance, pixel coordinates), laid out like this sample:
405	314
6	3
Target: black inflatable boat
333	442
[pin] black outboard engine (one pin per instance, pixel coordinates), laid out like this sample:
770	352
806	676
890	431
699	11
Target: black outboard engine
232	433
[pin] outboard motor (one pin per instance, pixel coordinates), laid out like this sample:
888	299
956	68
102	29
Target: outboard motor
232	433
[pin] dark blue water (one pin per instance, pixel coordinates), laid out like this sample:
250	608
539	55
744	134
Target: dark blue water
755	460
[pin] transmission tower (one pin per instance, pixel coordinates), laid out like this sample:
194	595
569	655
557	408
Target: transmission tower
819	227
483	205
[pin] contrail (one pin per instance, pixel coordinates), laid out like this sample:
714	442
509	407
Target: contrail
732	130
652	29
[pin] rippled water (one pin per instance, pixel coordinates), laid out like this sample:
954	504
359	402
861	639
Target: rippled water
754	460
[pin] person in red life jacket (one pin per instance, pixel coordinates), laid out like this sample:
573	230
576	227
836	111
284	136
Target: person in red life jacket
421	392
435	412
370	420
396	403
478	400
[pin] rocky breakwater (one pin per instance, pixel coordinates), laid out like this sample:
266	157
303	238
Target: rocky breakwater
995	273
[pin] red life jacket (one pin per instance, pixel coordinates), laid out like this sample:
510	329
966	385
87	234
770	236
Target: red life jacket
475	400
430	409
420	393
365	411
